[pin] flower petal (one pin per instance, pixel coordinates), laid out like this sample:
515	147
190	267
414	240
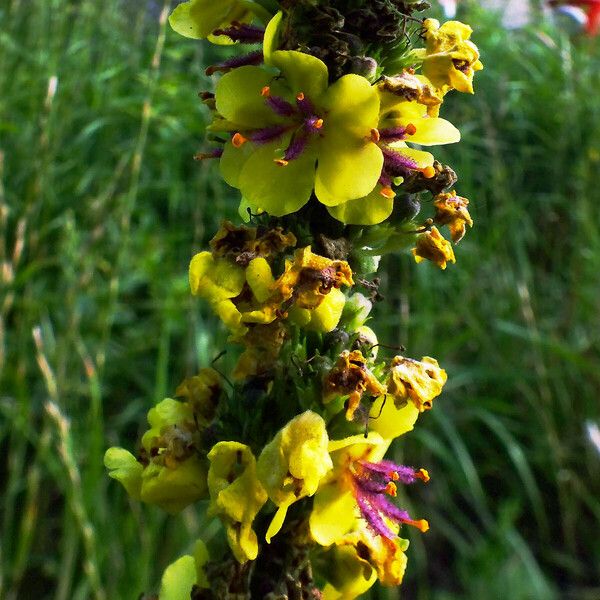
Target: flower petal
370	210
347	169
303	72
199	18
352	104
432	131
178	579
239	100
389	421
273	188
333	514
271	39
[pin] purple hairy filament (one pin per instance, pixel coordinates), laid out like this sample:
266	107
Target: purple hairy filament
242	33
217	153
304	124
395	164
252	58
373	483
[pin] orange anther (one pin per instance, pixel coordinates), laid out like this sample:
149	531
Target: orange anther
387	192
393	475
391	489
375	137
266	91
421	524
300	96
282	162
410	129
238	140
428	172
318	124
422	474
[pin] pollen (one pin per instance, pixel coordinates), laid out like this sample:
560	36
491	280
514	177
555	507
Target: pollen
282	162
238	140
391	489
318	124
300	97
423	475
387	192
265	92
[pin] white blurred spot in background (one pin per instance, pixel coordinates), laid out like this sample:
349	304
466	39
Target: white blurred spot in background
593	432
518	13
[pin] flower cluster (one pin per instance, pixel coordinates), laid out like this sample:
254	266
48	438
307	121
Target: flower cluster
324	140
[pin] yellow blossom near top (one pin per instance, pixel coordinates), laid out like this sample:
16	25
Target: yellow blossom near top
452	210
198	19
294	134
450	59
407	115
418	381
293	463
432	245
236	495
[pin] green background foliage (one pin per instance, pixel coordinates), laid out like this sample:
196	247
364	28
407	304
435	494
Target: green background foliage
101	207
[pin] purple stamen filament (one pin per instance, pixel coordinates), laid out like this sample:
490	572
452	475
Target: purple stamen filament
240	32
252	58
373	483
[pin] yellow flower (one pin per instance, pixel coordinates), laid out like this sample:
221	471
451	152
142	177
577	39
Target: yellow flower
202	393
418	381
452	210
450	59
169	473
351	508
408	115
291	466
335	512
218	281
198	19
431	245
310	277
351	377
386	556
236	495
186	572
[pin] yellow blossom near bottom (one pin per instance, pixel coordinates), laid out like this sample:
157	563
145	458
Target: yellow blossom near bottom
293	463
236	495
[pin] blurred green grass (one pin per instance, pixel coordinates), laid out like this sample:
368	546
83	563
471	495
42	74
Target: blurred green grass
101	206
